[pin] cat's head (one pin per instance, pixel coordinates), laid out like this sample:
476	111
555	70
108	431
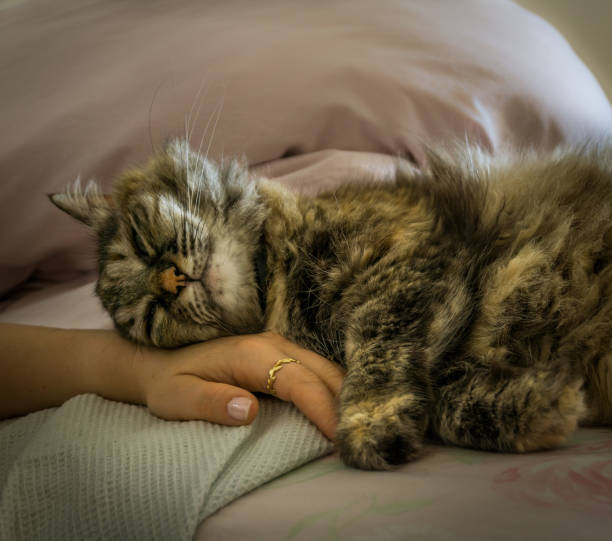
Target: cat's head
177	243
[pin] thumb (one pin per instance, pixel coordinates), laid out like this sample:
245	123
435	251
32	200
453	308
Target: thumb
187	397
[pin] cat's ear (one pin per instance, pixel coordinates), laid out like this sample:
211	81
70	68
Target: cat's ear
89	206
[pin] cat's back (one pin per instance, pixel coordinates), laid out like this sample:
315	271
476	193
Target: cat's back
469	198
572	182
513	198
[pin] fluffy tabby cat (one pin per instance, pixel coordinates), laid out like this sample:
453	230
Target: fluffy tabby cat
471	302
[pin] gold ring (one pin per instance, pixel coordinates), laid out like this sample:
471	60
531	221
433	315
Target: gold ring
272	373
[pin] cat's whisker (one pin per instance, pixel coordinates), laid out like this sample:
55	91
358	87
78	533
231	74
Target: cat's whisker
194	167
184	164
226	329
199	101
159	86
202	161
214	129
199	230
205	131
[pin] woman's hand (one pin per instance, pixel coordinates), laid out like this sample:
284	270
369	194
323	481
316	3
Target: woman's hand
43	367
212	380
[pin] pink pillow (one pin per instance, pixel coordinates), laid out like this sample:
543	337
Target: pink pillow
85	86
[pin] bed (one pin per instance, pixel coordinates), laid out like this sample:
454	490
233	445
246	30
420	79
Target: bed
312	94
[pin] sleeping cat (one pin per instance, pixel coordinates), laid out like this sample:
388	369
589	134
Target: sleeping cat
471	302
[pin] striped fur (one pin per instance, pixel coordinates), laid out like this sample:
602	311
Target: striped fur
471	302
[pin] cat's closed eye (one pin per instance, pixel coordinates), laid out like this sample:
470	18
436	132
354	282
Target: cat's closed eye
140	247
177	243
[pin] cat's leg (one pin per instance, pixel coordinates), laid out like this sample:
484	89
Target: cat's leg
385	394
516	383
383	413
532	410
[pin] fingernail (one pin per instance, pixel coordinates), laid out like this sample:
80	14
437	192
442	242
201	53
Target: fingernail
238	408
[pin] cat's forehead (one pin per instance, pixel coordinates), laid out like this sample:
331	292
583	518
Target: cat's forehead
179	178
163	176
162	211
190	165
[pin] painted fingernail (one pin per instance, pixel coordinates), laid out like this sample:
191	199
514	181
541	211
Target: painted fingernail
238	408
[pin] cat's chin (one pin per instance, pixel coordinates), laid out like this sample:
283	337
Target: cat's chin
253	324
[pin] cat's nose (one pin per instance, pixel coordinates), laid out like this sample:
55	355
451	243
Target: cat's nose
170	281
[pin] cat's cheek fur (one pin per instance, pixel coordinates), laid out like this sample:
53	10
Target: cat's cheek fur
174	334
224	277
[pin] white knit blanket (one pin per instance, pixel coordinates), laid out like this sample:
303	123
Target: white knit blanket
96	469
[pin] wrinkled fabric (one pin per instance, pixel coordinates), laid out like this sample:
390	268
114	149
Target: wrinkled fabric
91	87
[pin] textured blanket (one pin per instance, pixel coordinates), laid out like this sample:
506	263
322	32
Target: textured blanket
96	469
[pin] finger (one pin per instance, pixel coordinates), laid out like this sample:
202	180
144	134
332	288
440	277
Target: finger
246	360
296	383
331	373
188	397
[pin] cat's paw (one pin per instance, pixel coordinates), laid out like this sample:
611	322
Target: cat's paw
551	418
377	434
533	412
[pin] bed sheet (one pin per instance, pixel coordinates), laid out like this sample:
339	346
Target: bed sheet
98	469
91	88
451	493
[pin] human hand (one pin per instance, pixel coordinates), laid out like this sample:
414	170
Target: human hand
212	380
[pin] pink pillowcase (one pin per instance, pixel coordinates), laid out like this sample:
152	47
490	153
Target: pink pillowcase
86	86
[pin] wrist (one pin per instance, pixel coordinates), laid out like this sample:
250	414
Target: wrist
116	369
145	365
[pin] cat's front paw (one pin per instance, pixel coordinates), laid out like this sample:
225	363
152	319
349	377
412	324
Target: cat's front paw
379	434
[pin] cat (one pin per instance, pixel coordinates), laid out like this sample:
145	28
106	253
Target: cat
470	302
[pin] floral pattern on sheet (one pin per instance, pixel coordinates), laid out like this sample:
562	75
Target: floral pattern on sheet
576	479
338	522
451	494
308	472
